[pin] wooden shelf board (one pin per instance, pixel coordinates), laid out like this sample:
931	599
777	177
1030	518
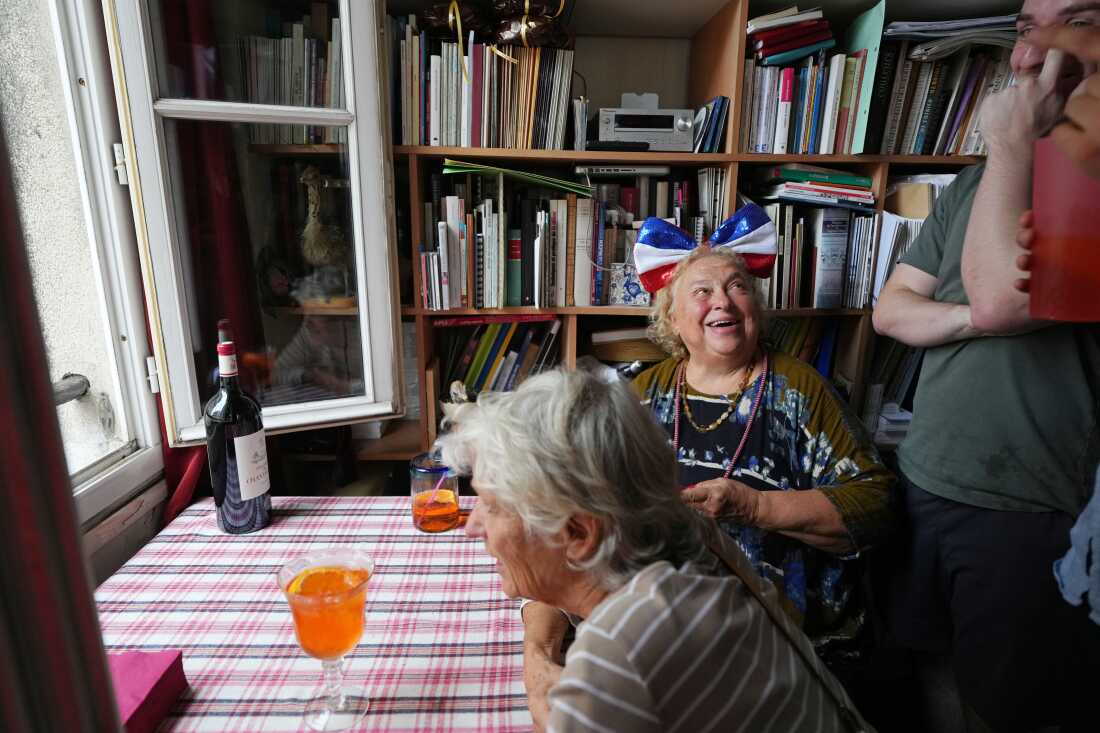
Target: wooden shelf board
594	156
612	310
401	442
325	149
767	158
564	156
314	310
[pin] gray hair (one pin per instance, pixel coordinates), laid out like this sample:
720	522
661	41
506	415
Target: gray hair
569	442
661	331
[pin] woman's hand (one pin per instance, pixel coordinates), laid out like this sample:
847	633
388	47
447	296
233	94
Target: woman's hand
544	629
724	498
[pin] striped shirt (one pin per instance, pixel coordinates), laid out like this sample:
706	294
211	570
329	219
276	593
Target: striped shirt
695	649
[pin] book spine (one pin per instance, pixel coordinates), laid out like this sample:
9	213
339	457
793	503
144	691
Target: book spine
514	286
783	115
896	116
920	96
879	105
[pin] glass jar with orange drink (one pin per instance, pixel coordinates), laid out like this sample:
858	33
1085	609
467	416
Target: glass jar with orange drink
327	593
434	489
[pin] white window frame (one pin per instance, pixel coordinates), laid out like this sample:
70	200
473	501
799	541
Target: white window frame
93	122
143	115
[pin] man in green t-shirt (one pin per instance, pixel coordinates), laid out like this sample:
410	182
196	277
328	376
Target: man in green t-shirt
1004	441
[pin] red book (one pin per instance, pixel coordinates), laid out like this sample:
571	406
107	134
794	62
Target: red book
789	31
628	199
788	44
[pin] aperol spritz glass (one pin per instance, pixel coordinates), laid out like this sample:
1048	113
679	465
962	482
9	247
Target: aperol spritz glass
327	593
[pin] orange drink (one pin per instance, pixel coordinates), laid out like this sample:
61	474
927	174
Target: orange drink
1065	263
434	489
435	510
327	605
327	593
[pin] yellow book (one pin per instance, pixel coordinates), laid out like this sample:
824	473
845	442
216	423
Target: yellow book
501	352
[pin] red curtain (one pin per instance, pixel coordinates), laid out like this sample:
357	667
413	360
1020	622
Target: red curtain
219	242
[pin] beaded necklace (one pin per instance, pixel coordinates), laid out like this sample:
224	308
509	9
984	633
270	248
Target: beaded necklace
681	382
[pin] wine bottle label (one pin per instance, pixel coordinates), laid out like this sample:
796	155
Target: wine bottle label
227	365
251	453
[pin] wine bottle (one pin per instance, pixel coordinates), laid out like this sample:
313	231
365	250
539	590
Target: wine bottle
236	451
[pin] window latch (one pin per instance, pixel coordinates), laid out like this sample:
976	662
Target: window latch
151	374
120	164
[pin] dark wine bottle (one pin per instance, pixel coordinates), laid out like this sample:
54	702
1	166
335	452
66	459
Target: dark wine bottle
235	451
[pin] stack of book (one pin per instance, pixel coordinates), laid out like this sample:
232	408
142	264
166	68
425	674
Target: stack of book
788	35
473	97
300	67
520	239
496	353
815	185
895	368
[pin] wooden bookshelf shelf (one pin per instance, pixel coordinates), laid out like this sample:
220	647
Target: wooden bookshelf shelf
564	156
615	310
326	149
769	159
316	310
401	442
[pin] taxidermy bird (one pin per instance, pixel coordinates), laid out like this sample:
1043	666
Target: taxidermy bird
322	244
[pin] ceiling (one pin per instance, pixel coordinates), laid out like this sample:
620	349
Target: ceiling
682	18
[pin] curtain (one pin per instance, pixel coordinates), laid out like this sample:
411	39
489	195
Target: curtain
53	671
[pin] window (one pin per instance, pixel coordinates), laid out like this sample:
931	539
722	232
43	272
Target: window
261	194
58	115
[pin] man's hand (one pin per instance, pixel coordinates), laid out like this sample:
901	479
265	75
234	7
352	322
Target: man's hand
1016	117
543	633
724	498
1079	135
1025	236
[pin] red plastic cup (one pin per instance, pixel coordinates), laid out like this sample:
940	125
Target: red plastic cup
1065	262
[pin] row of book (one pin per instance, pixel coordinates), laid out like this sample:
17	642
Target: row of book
300	68
824	258
813	340
933	106
496	353
803	109
809	184
493	245
476	95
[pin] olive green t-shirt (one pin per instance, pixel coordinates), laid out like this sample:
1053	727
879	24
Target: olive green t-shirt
1001	422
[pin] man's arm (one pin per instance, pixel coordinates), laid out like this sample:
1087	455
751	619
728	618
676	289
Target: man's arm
1011	123
544	629
906	311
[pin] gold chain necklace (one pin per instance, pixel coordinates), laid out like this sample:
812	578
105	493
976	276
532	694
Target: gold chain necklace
732	399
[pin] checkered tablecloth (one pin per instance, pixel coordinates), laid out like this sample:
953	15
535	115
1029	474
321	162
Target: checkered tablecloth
441	650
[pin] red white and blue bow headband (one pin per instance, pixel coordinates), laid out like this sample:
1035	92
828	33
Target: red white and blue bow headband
660	246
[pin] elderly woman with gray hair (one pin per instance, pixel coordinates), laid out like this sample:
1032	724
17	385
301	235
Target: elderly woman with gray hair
577	503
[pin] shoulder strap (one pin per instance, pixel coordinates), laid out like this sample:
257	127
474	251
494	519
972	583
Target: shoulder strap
739	566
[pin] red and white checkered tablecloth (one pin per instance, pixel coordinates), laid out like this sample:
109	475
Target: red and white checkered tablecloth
441	651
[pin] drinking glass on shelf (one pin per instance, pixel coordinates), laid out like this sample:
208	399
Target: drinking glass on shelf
434	489
327	593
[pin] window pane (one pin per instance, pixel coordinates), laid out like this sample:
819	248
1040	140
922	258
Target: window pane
264	52
268	241
64	270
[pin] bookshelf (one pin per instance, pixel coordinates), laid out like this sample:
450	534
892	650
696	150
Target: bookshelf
711	42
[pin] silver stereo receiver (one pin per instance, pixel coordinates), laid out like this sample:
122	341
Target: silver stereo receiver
668	130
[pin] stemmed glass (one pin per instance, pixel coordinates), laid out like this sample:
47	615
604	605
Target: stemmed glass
327	593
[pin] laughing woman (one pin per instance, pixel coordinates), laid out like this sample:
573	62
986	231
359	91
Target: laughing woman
765	446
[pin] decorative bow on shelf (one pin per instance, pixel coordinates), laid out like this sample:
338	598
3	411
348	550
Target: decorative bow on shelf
660	246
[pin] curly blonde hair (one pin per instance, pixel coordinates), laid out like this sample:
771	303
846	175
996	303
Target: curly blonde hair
661	331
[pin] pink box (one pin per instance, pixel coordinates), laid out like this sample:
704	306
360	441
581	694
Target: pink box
147	685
